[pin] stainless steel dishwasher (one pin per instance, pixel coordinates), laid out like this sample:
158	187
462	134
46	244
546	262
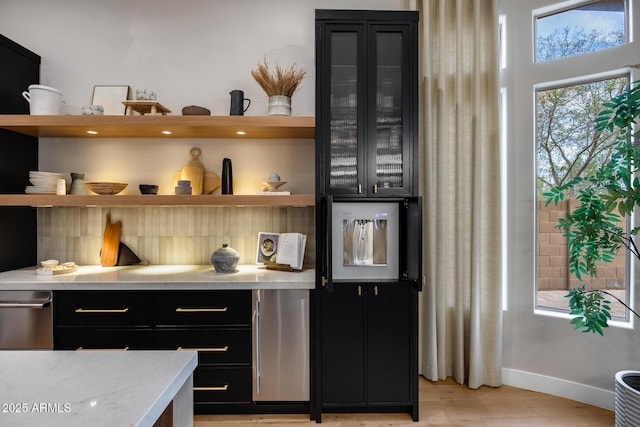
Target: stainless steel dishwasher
280	345
25	320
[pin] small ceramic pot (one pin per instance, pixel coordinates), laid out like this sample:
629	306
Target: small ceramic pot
225	259
148	189
184	187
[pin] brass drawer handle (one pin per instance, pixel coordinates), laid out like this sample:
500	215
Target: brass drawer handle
115	310
217	349
201	310
219	388
102	349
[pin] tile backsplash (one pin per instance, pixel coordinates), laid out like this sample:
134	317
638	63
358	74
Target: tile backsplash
168	235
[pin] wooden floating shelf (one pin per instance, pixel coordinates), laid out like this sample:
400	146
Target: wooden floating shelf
146	126
48	200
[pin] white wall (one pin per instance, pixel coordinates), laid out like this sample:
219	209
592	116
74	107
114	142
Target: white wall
191	52
541	352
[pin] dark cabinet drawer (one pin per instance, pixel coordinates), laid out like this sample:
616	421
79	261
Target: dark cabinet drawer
229	384
215	323
102	308
215	346
73	338
230	308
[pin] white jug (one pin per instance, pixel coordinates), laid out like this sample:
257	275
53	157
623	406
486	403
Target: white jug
43	100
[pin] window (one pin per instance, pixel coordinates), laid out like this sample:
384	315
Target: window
568	146
566	143
586	28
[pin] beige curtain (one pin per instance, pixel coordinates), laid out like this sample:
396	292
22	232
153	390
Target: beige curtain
461	328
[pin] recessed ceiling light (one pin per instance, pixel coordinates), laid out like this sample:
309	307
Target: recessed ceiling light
240	132
166	132
92	132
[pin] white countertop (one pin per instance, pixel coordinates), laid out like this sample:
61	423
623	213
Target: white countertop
97	388
158	277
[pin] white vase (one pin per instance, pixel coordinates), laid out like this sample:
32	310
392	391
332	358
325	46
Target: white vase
627	398
279	105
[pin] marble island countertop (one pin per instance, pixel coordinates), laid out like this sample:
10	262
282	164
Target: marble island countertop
98	388
158	277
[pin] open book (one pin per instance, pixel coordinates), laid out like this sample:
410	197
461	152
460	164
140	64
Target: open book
281	248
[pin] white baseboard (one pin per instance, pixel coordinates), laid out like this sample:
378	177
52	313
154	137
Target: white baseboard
559	387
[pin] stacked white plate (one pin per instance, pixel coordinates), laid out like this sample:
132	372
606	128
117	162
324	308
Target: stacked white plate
43	182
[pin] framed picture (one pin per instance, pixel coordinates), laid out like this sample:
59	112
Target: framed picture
111	97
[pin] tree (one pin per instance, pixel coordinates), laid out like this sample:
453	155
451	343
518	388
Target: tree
567	41
568	143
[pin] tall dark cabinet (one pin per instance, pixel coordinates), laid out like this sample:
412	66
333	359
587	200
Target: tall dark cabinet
18	155
366	163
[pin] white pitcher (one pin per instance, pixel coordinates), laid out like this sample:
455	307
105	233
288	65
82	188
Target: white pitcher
43	100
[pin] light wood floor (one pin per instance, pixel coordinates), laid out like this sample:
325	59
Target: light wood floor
445	403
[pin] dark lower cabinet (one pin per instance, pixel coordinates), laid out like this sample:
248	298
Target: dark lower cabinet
389	362
343	346
217	324
369	342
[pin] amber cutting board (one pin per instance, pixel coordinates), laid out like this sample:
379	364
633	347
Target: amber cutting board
110	242
210	183
194	171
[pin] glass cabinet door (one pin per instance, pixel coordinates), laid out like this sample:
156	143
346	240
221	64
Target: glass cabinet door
388	140
345	156
367	108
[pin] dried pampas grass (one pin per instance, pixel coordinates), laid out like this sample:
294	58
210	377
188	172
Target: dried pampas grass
279	82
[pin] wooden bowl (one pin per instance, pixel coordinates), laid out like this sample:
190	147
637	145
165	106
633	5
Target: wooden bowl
105	188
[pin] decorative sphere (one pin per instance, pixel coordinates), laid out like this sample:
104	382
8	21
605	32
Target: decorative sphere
225	259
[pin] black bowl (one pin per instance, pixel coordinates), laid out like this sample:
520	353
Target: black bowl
148	189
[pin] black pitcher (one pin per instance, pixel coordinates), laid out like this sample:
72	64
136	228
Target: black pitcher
237	103
227	177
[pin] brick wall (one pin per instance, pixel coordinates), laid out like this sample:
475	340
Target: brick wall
553	259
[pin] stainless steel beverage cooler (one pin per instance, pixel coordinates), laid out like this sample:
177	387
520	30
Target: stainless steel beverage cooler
280	345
